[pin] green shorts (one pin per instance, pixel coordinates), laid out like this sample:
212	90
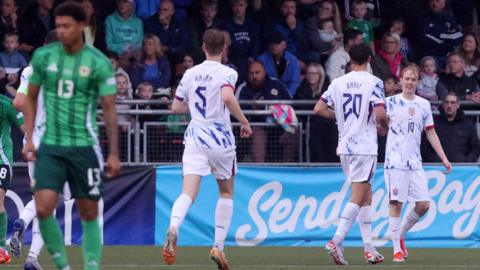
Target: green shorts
5	176
82	167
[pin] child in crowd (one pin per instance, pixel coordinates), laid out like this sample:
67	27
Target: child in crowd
391	86
360	22
11	58
398	26
124	92
427	88
327	31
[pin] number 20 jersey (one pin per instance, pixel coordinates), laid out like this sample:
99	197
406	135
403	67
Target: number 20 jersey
200	87
353	96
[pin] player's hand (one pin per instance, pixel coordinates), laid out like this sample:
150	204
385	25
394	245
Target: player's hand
245	130
113	166
448	166
29	152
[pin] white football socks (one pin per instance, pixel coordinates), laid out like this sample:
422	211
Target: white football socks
394	228
37	240
365	224
408	222
347	218
29	213
179	210
223	218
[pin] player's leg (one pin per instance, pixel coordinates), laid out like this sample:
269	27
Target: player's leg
364	219
31	262
397	183
29	212
224	166
92	241
5	178
50	172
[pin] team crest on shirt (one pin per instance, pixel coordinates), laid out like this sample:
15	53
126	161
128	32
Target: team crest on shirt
395	191
411	111
84	71
274	92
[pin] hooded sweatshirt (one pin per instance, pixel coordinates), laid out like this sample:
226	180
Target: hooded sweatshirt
123	35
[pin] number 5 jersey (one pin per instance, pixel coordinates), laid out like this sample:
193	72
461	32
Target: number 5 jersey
200	87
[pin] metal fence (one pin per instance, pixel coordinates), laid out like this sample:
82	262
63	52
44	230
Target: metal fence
162	142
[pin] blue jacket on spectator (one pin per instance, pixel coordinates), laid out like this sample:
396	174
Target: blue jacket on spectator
175	37
437	34
296	39
291	76
146	8
245	43
181	7
14	60
123	35
164	74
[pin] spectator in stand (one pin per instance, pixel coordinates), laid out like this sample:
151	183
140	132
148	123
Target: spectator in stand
327	32
146	8
152	67
94	32
437	33
226	51
328	9
294	32
457	134
360	22
390	84
281	64
34	25
471	49
11	58
115	60
145	91
173	32
373	11
245	36
124	30
389	60
457	81
124	92
429	84
398	26
337	62
8	19
187	62
260	86
323	132
207	19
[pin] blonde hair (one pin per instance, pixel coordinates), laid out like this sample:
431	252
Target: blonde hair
337	20
156	42
321	73
392	35
411	67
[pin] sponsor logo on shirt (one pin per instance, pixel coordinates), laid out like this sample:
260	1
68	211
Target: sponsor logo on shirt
52	67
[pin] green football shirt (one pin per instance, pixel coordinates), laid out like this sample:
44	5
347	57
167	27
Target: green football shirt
365	27
71	85
8	117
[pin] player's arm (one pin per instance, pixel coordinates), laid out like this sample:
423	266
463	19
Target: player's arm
179	106
231	102
30	114
381	118
322	109
434	141
19	102
111	124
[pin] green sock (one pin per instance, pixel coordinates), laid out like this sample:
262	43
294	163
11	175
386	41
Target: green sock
91	244
3	229
53	238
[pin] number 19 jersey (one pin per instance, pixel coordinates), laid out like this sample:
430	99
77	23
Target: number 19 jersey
201	86
353	96
71	86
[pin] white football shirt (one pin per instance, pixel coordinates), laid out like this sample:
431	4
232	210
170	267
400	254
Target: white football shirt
40	116
201	86
407	120
353	96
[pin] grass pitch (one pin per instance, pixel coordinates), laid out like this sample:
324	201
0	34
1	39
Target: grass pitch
263	258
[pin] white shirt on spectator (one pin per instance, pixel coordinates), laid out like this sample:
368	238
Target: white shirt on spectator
337	63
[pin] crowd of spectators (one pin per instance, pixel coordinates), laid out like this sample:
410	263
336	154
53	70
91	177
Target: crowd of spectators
282	49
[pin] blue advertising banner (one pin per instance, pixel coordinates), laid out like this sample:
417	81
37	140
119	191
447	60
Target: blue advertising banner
127	213
300	206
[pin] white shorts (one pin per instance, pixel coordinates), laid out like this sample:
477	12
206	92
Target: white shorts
407	185
359	168
222	163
